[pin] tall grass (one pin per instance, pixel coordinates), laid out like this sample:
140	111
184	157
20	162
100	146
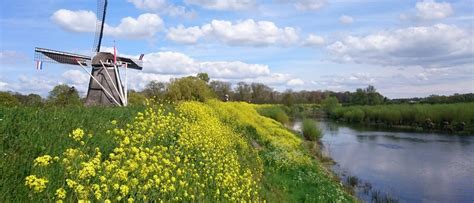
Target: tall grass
441	116
311	130
275	112
26	133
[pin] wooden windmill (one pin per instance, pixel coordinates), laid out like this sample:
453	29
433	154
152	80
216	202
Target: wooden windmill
105	84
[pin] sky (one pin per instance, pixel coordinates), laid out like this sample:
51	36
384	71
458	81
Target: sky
405	48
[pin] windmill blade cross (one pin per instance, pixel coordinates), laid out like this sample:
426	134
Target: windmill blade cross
101	12
53	56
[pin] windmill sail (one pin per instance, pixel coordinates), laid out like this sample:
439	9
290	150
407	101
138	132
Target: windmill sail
53	56
101	12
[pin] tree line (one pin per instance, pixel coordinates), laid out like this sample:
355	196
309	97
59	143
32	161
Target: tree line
201	88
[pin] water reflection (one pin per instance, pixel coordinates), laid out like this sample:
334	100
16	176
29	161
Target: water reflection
413	167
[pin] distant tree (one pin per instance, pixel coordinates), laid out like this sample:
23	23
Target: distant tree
64	95
189	88
155	89
329	104
260	93
8	100
288	98
33	100
135	98
221	88
243	92
204	77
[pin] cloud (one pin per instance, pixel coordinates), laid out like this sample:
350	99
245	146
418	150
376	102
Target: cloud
305	5
223	4
344	19
314	40
185	35
241	33
309	4
144	26
438	45
75	21
431	10
163	7
295	82
76	77
175	63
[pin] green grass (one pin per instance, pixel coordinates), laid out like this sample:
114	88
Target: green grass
275	112
311	130
26	133
442	116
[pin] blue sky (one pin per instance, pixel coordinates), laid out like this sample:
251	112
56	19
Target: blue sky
404	48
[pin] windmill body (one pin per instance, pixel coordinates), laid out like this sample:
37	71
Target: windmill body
105	84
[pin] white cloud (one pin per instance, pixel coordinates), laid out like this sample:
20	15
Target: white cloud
75	21
162	6
295	82
345	19
241	33
305	5
314	40
184	35
4	86
439	45
309	4
76	77
223	4
431	10
180	64
144	26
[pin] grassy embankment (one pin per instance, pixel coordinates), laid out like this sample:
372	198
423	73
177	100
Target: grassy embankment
457	117
185	152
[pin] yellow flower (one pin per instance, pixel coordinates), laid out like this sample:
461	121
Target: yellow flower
77	134
60	193
43	160
35	183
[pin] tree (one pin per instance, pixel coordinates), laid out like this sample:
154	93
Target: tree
8	100
189	88
204	77
33	100
329	104
63	95
155	89
288	98
260	93
243	92
221	88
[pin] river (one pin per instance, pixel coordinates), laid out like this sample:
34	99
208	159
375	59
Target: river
406	166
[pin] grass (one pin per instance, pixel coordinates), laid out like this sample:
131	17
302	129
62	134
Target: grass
288	172
26	133
458	117
275	112
311	130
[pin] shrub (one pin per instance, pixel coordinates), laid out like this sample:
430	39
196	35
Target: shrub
275	112
311	130
8	100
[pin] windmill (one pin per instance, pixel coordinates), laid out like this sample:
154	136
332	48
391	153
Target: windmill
105	84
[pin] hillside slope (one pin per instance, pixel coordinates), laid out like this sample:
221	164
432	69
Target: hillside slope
190	151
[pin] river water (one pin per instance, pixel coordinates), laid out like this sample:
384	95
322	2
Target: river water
406	166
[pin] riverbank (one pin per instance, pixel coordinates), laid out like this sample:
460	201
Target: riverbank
258	157
452	118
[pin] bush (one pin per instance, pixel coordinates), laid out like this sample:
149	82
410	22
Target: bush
311	130
275	112
8	100
189	89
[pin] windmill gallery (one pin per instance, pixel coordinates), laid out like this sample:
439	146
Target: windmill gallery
105	84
